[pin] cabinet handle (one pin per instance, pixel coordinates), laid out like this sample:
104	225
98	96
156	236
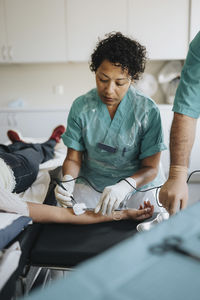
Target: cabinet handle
10	52
3	51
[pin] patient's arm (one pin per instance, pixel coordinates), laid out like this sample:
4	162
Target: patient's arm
43	213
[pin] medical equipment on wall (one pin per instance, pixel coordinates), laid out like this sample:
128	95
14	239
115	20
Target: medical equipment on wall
169	78
147	84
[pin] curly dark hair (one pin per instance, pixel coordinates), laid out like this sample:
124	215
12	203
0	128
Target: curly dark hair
120	50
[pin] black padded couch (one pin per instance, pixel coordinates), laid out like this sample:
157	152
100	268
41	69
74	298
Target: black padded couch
64	246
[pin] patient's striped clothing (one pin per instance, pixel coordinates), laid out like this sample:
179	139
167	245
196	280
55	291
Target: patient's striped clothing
7	178
10	202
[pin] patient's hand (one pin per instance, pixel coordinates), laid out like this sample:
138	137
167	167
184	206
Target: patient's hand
144	212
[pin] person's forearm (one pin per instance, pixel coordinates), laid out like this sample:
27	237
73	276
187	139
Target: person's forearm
174	193
144	175
181	139
148	170
71	167
41	213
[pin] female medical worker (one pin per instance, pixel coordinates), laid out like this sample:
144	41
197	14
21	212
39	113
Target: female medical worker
114	135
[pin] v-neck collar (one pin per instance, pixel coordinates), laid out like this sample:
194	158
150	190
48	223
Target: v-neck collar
122	107
120	114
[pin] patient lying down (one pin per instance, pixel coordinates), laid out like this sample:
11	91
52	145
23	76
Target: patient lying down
19	165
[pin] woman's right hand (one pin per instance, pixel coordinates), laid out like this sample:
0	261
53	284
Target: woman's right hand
64	194
144	212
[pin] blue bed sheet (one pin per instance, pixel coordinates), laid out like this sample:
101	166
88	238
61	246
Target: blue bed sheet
10	231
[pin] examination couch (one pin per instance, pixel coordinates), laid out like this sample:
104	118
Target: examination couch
64	246
149	265
26	240
26	236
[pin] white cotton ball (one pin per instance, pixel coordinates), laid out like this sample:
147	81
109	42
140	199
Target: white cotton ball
79	208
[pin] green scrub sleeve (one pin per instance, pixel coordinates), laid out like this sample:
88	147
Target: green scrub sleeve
152	140
187	98
153	150
72	137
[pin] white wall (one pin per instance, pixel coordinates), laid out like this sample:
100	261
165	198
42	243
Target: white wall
35	83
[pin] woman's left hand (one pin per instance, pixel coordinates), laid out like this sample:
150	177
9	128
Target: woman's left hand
113	195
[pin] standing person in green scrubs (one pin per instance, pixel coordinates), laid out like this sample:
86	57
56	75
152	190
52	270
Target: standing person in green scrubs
114	135
174	193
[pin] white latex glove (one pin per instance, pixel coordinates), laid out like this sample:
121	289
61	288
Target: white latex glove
113	195
63	196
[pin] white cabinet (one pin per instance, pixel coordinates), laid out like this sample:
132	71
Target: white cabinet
68	30
162	26
89	19
32	31
195	18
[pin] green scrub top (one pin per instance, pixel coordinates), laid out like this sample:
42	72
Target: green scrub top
187	98
113	149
